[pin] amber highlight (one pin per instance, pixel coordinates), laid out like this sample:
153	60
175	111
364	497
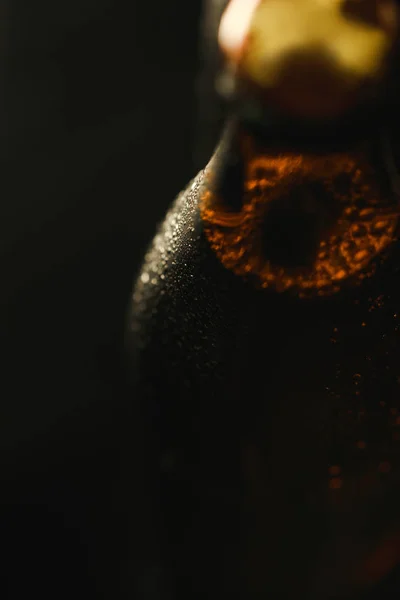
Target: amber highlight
358	229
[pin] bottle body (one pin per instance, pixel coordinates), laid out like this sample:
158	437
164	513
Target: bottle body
272	413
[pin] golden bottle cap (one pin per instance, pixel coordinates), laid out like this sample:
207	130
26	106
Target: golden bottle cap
309	58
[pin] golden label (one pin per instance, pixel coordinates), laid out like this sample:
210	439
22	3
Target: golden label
307	224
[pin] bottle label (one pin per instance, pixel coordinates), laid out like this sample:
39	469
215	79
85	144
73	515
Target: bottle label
307	223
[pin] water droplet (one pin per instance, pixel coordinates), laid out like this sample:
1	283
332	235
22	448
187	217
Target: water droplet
336	483
335	470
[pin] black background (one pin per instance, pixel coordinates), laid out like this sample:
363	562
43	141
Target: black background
98	111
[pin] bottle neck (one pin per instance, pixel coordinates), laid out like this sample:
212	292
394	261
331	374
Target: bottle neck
297	218
245	146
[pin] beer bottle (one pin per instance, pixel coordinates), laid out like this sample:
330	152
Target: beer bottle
265	322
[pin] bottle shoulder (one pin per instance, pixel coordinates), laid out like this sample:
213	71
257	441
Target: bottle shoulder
184	274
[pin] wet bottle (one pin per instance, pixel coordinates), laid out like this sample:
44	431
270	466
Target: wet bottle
264	331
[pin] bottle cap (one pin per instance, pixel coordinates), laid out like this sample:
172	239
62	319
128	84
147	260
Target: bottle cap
308	59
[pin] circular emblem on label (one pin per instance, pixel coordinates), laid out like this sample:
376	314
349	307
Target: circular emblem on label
307	224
